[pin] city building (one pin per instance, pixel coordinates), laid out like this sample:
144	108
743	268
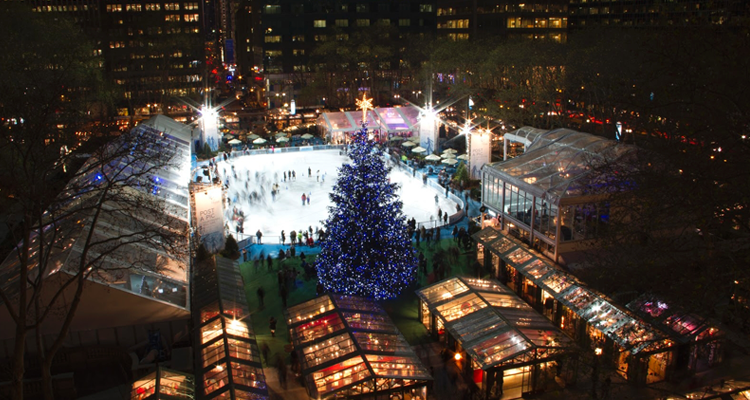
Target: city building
153	51
511	19
654	13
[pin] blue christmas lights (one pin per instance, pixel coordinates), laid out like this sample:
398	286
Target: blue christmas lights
367	250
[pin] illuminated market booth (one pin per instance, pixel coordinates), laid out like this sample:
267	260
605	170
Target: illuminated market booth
348	347
700	343
510	347
164	384
395	121
550	196
640	352
228	362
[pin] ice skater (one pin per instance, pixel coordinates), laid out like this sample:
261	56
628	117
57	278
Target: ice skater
308	198
303	199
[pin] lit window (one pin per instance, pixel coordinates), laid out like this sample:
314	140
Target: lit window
404	22
343	23
190	17
273	39
363	22
272	9
319	23
425	8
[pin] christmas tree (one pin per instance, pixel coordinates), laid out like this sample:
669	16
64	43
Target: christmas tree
367	250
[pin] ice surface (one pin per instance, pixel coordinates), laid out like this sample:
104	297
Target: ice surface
287	212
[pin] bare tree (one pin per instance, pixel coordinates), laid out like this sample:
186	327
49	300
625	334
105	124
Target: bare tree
112	216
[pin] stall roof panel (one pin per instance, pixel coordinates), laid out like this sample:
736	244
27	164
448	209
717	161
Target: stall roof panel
490	320
341	339
676	322
443	290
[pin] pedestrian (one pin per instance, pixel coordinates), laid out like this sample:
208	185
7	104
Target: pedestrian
299	238
259	235
455	233
272	326
293	237
269	263
436	199
283	237
308	198
256	264
261	294
284	176
302	256
244	255
304	197
294	175
281	367
416	235
440	214
309	172
281	257
264	350
283	293
292	252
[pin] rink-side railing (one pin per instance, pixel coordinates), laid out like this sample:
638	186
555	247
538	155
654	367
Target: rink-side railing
452	218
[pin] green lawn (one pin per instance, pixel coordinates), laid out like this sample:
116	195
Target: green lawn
403	310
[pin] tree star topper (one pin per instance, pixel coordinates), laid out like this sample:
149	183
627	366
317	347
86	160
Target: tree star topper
365	104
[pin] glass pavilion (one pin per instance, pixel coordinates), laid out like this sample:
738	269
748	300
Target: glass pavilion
395	121
228	364
508	343
553	182
641	353
154	283
349	348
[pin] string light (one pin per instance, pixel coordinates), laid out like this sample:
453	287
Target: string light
367	250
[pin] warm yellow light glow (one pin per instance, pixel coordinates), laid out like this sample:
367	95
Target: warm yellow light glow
598	351
457	356
364	104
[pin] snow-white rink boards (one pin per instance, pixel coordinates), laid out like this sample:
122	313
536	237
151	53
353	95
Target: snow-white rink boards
287	212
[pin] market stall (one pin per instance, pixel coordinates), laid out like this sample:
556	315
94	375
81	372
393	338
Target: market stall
509	346
348	347
640	352
228	360
699	341
164	384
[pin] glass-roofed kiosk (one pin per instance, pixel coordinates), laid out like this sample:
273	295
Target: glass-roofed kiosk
348	348
640	352
228	362
509	347
548	196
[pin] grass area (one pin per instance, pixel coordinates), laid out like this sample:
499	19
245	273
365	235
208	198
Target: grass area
403	309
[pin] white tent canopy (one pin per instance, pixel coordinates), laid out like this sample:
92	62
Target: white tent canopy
392	120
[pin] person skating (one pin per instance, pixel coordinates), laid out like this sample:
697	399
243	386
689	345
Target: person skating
259	235
304	197
309	172
308	198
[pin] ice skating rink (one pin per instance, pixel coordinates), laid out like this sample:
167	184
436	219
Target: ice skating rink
253	176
